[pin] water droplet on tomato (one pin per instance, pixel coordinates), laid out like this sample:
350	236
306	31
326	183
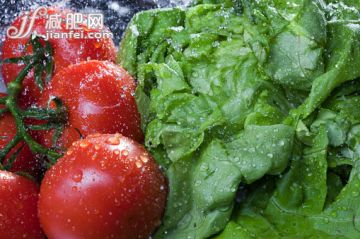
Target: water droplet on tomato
117	202
77	177
84	144
114	140
138	164
125	153
144	159
102	165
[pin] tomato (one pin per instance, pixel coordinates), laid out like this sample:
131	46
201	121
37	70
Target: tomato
18	207
106	186
25	161
99	98
66	51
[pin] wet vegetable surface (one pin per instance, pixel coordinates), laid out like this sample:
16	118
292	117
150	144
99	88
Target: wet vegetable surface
255	97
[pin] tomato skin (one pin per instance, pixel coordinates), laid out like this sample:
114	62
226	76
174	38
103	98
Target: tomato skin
99	98
106	186
18	207
66	51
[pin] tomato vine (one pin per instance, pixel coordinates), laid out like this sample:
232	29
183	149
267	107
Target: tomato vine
41	61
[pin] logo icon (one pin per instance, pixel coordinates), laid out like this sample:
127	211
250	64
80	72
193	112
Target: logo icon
27	24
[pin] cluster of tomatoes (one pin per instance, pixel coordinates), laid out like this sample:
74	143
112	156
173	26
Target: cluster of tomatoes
106	185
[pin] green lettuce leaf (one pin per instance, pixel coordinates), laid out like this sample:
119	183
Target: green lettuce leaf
296	52
204	186
343	56
252	109
285	210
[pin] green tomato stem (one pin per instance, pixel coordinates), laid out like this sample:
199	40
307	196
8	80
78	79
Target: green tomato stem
3	100
45	114
8	148
56	117
14	89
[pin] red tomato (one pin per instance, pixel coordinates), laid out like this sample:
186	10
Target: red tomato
18	207
99	98
106	186
66	51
